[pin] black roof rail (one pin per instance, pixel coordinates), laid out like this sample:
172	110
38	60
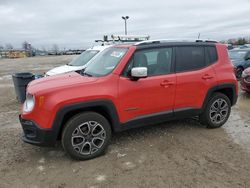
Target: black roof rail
170	40
154	42
212	41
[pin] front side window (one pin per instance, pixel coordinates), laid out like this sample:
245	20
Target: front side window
105	62
190	58
158	61
84	58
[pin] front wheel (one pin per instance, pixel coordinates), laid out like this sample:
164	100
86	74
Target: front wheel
217	111
239	71
86	136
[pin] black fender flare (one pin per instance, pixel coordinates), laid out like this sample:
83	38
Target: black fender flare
107	105
219	87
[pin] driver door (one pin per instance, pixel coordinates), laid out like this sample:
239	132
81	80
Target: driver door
153	95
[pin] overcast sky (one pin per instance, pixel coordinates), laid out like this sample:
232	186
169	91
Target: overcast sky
77	23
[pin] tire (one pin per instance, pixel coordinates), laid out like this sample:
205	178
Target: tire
217	111
239	71
86	136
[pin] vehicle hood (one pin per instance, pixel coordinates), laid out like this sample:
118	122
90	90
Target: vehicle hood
63	69
247	71
63	81
237	62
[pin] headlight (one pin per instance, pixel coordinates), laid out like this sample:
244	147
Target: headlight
247	79
29	103
243	74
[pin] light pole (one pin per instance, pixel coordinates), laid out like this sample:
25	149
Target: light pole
199	35
125	19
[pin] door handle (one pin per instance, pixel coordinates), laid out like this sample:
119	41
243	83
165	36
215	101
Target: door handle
207	77
166	83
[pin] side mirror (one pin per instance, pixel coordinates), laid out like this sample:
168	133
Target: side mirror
139	72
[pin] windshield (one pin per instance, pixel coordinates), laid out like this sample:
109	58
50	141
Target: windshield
83	58
237	54
105	62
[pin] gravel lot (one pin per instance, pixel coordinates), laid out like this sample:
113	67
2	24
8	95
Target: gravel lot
174	154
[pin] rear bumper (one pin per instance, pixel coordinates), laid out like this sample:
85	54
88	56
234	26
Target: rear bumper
33	134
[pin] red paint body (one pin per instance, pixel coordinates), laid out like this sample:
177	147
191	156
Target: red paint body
131	98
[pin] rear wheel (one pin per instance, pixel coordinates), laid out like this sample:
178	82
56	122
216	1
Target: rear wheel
217	111
86	136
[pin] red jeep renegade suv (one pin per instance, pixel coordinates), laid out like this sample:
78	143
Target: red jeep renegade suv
127	86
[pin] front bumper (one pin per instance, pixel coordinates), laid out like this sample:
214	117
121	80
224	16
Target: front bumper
33	134
244	85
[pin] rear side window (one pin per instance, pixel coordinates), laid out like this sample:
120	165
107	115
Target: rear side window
190	58
211	55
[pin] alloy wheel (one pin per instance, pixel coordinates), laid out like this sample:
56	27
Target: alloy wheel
88	138
219	111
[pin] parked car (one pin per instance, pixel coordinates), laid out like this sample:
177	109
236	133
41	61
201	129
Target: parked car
230	46
127	86
245	80
240	59
79	63
243	47
69	52
51	53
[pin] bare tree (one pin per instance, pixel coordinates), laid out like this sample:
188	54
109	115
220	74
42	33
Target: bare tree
230	41
55	48
43	49
241	41
8	46
1	47
26	45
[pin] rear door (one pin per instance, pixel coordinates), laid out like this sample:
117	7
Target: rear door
194	75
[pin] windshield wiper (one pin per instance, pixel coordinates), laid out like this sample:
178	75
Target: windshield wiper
85	73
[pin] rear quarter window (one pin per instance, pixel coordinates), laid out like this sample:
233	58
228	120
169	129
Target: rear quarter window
190	58
211	55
